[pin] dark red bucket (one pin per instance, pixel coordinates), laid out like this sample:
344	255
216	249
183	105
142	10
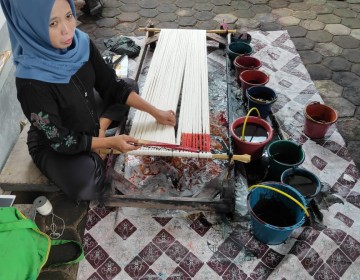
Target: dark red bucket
251	78
318	119
243	63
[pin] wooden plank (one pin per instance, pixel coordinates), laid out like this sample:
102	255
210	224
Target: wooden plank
216	38
183	203
217	31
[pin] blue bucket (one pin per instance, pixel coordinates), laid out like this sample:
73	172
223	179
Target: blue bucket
261	97
304	181
276	210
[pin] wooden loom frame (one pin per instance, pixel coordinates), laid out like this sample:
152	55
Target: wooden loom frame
226	202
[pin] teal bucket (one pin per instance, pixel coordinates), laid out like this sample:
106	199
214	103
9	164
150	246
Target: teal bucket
235	49
283	154
275	211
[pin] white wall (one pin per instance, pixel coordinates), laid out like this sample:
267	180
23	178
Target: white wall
2	18
10	110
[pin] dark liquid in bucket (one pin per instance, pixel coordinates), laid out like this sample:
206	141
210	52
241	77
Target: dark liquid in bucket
254	82
274	212
261	97
286	158
254	133
303	184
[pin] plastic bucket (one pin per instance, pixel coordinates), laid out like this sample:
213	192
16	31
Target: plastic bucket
243	63
257	134
283	154
250	78
318	119
261	97
235	49
304	181
276	210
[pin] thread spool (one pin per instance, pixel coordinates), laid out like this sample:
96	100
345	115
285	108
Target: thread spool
43	205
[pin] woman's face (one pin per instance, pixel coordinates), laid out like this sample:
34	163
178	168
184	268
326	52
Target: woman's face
62	25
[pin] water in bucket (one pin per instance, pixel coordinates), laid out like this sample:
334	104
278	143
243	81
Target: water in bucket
284	158
307	183
280	215
303	184
253	132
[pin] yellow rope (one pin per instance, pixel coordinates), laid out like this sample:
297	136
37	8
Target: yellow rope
283	193
248	114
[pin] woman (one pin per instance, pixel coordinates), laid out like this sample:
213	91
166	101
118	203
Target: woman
57	67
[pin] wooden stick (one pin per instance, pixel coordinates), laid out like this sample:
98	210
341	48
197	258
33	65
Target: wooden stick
218	31
154	143
242	158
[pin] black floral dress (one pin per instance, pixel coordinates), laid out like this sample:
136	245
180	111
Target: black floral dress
65	117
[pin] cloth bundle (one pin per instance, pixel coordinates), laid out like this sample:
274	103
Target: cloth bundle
24	249
122	45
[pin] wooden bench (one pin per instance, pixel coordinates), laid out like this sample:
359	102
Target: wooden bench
20	173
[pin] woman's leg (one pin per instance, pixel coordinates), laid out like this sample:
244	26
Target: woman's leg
80	177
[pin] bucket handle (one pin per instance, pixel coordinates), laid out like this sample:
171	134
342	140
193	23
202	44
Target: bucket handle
283	193
248	114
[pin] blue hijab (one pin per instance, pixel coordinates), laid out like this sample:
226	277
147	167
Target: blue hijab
34	57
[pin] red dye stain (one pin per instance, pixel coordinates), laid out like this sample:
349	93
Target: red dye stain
222	119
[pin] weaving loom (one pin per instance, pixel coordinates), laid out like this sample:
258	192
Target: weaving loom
178	70
177	79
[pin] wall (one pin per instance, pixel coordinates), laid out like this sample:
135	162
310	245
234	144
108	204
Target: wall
10	110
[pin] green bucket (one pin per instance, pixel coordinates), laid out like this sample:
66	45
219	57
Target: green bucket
283	154
235	49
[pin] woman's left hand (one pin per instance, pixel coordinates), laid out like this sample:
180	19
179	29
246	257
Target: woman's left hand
165	117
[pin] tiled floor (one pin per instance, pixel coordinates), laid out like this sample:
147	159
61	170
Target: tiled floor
134	243
326	34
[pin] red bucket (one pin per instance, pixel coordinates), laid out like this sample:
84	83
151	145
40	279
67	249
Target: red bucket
246	145
243	63
251	78
318	119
